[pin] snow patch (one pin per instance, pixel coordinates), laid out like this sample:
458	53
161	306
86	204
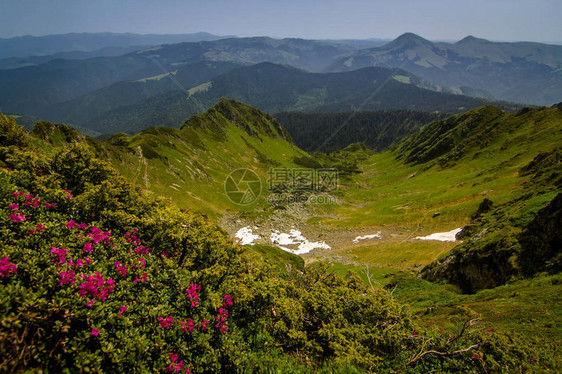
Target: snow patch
246	236
448	236
373	236
295	237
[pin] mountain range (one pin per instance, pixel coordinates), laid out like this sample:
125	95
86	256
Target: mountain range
270	87
521	72
29	45
167	83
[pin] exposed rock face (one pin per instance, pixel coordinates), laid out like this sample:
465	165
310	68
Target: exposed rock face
486	265
541	240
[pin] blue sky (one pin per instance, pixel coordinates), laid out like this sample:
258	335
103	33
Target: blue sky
509	20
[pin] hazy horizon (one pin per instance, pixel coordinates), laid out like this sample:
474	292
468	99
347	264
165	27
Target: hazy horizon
444	20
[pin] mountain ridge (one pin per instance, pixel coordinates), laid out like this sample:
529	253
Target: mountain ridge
524	72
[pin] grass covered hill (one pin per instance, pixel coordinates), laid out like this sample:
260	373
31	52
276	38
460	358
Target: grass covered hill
191	164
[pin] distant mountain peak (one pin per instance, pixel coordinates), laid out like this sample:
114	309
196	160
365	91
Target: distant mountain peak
409	39
471	39
407	36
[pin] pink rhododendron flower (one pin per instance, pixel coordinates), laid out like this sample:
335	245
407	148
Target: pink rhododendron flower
131	237
227	301
6	268
17	217
49	205
14	206
60	253
96	235
174	365
221	318
204	325
17	194
189	325
192	294
71	224
39	228
28	197
143	263
95	332
90	303
83	226
143	279
141	249
87	260
88	247
122	310
67	277
95	286
121	269
35	203
166	323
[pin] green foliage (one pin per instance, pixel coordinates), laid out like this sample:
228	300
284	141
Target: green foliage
11	133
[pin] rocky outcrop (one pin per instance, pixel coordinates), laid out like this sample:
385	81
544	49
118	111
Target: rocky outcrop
541	240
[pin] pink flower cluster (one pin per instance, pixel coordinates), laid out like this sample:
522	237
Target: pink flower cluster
223	314
144	278
60	253
189	325
121	269
174	365
17	217
166	323
97	236
221	320
192	294
131	238
39	228
96	287
67	277
6	268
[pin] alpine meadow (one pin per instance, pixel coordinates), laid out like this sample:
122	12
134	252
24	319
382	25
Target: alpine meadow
303	187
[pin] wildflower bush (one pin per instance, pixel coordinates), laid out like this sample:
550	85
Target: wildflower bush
96	276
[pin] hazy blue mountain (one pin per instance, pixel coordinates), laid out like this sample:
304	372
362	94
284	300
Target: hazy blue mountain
35	89
28	45
275	88
520	72
126	93
20	62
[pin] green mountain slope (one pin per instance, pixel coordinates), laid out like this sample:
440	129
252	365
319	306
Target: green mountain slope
486	170
518	72
274	88
191	164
